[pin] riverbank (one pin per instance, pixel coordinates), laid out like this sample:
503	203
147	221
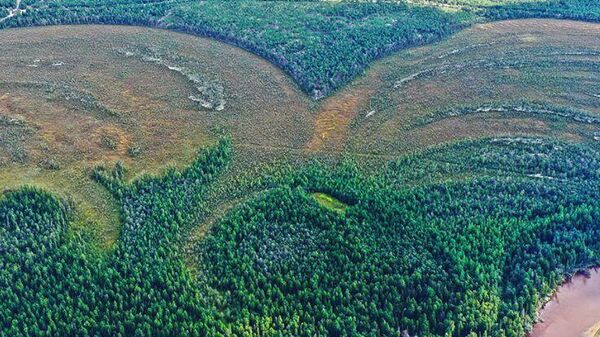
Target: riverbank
594	331
574	309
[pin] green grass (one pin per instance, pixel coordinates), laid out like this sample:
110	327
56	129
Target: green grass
323	45
330	202
456	240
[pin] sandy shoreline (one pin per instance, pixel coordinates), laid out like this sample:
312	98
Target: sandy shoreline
572	309
593	331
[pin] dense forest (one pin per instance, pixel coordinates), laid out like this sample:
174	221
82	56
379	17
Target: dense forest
53	285
322	45
459	240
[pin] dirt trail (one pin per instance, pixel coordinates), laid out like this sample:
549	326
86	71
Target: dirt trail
13	12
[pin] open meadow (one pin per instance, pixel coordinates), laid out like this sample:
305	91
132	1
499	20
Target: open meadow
71	99
181	186
523	77
151	98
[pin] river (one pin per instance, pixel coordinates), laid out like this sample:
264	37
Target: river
574	310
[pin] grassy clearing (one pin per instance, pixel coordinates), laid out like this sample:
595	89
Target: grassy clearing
330	202
66	112
547	62
109	104
63	113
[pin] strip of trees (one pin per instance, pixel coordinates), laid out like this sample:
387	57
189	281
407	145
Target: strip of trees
322	45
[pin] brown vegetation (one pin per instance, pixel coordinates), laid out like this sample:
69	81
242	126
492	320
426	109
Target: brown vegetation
545	61
71	98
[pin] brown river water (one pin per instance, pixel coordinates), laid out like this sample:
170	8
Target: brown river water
574	310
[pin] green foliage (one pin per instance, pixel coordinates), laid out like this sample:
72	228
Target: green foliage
321	44
588	10
51	286
330	202
443	259
460	240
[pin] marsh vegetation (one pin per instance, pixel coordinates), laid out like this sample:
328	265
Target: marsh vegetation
169	185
